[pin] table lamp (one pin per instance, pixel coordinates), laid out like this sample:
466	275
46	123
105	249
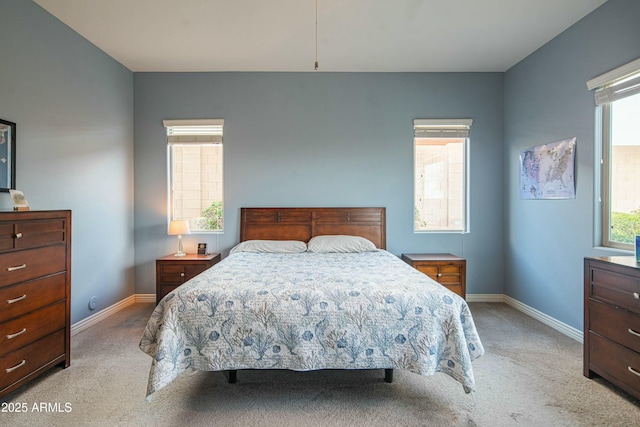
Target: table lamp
179	227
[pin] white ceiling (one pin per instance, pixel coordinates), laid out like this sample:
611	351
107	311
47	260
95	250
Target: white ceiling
353	35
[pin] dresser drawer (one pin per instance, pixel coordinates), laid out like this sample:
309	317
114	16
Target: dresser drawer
32	233
28	296
41	232
619	289
6	236
27	360
35	275
30	327
29	264
614	360
618	325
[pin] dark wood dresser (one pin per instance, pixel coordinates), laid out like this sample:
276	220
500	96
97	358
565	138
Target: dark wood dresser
35	290
448	270
612	321
173	271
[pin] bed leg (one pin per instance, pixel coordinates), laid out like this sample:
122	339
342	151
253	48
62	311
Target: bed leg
232	376
388	375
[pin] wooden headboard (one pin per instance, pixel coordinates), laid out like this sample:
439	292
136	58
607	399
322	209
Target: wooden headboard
305	223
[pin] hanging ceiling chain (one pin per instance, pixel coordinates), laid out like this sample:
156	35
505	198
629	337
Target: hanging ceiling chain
316	63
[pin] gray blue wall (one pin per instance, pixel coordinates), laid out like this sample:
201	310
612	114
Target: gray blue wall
73	106
301	139
546	99
323	139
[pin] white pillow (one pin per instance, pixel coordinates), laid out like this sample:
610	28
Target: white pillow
340	243
271	246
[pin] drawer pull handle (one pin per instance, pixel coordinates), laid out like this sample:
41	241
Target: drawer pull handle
11	301
9	370
439	274
181	274
633	371
16	334
632	332
636	295
17	267
18	235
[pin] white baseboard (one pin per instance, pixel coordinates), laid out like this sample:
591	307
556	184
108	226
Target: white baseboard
103	314
144	298
569	331
485	298
559	326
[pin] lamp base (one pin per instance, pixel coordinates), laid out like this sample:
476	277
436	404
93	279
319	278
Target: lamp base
180	252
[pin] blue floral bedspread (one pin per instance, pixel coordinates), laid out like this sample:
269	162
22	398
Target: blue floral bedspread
311	311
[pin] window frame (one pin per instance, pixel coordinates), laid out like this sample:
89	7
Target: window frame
609	87
200	137
445	129
605	185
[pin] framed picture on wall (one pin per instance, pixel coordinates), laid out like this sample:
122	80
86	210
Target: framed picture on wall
548	171
7	155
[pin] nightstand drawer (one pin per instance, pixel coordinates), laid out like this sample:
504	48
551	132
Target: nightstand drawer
178	274
450	274
456	289
172	274
163	290
428	269
446	269
172	271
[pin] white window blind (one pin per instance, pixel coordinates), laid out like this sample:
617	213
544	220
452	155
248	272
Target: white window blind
616	84
206	131
441	128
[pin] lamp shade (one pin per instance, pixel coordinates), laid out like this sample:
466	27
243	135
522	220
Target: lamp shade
178	227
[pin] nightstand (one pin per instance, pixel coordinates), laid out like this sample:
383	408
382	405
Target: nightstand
173	271
446	269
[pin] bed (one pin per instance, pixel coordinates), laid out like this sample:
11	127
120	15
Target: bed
309	289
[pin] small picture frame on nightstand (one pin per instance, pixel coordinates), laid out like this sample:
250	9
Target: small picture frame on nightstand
202	248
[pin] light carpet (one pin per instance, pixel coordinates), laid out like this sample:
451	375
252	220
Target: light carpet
531	375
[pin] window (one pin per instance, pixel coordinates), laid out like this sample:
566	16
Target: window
617	98
194	154
440	170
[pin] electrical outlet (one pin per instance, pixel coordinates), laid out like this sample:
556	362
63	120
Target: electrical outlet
93	303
